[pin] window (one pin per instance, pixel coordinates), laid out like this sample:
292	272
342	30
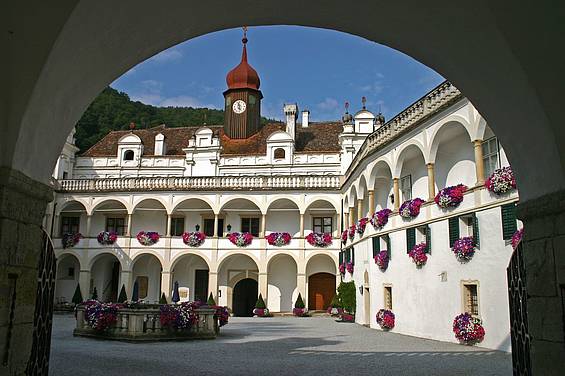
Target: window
323	224
406	187
252	99
209	227
424	235
250	225
228	102
376	245
388	297
410	239
65	175
177	226
71	272
70	225
471	227
279	153
509	225
491	159
471	298
117	225
453	224
143	285
128	155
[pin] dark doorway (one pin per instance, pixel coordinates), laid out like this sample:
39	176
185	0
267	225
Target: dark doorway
321	290
201	285
244	297
111	290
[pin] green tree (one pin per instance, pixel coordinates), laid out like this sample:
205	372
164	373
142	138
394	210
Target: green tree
211	301
299	302
260	303
77	297
94	294
347	296
335	302
163	299
123	296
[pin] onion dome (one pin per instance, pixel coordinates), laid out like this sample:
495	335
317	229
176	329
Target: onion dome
243	76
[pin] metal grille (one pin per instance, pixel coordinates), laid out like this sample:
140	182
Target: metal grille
38	363
519	314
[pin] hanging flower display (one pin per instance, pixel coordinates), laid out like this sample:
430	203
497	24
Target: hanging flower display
107	237
240	239
410	208
70	240
501	181
385	318
380	218
222	314
344	237
278	239
361	224
381	259
100	316
468	329
349	267
450	196
418	255
351	231
347	317
179	316
147	238
193	239
517	238
464	248
317	239
342	268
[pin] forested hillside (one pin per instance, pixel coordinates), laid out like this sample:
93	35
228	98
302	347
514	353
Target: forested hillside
114	110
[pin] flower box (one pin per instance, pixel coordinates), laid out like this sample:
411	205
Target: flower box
107	237
147	238
300	312
418	255
347	317
344	237
261	312
278	239
193	239
381	259
517	238
385	318
468	329
319	240
342	268
410	208
361	225
240	239
70	240
380	218
464	248
351	231
501	181
450	197
349	267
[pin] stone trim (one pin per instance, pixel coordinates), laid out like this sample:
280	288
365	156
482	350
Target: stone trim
549	204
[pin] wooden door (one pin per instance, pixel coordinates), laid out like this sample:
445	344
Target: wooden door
201	285
321	290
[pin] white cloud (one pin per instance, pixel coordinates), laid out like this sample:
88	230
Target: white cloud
171	54
328	104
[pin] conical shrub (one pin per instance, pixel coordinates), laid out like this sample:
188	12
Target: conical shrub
260	303
211	301
94	294
77	297
163	299
299	302
123	296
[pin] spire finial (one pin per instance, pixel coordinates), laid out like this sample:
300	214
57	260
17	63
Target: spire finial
346	107
244	39
364	100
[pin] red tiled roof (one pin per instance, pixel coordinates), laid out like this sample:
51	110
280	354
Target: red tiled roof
318	137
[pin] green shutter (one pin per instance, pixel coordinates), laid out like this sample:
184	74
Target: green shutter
376	245
476	236
410	239
453	230
428	239
509	225
388	248
352	255
340	257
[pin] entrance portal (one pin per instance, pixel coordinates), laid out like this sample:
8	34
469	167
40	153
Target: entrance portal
244	297
321	290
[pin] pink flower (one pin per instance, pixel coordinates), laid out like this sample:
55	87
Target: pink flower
410	208
319	240
351	231
501	181
380	218
193	239
344	237
517	238
107	238
468	329
450	196
381	259
418	254
240	239
385	318
361	224
464	248
342	268
349	267
148	238
278	238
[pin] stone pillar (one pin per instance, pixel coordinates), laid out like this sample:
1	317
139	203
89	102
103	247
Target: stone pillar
396	191
544	259
263	286
126	281
345	220
215	229
22	206
84	281
301	225
169	224
88	225
431	181
371	202
352	216
479	163
57	226
213	284
166	286
128	228
360	213
301	286
263	225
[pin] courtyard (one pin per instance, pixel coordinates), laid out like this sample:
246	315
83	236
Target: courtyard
273	346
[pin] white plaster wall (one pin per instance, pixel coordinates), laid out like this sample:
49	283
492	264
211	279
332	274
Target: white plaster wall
416	167
282	284
149	220
455	162
150	267
283	221
101	275
65	285
184	272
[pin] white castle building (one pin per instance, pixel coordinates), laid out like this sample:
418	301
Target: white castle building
298	178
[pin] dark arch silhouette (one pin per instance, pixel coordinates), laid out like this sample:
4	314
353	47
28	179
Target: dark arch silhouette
244	297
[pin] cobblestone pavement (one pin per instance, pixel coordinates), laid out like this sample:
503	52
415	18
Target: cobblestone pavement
273	346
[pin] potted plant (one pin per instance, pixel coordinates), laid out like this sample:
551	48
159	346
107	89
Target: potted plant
107	237
464	248
468	329
123	297
320	240
240	239
418	255
299	307
261	309
385	318
335	306
381	259
501	181
77	296
450	197
380	218
349	267
410	208
148	238
70	240
361	224
347	294
278	239
193	239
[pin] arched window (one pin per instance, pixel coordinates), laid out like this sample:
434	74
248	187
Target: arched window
128	155
279	153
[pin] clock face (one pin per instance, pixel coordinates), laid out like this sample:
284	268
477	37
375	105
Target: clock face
239	106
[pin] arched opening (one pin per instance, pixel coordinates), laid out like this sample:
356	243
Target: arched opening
149	215
366	299
191	271
363	195
231	270
244	297
68	272
109	215
192	213
146	272
279	153
242	215
128	155
321	216
382	185
105	277
283	215
282	293
321	273
413	175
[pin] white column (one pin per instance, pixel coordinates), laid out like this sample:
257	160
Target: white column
215	230
84	280
169	223
166	286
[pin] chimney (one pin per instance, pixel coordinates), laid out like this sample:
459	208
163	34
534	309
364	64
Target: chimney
159	144
290	111
305	118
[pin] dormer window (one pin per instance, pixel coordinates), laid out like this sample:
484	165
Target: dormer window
279	153
128	155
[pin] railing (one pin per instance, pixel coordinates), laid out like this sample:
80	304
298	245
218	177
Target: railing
200	183
438	98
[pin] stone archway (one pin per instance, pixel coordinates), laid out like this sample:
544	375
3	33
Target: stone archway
245	294
321	290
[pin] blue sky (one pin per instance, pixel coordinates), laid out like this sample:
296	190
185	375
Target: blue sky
318	69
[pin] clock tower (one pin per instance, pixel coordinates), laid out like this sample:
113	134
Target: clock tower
242	99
